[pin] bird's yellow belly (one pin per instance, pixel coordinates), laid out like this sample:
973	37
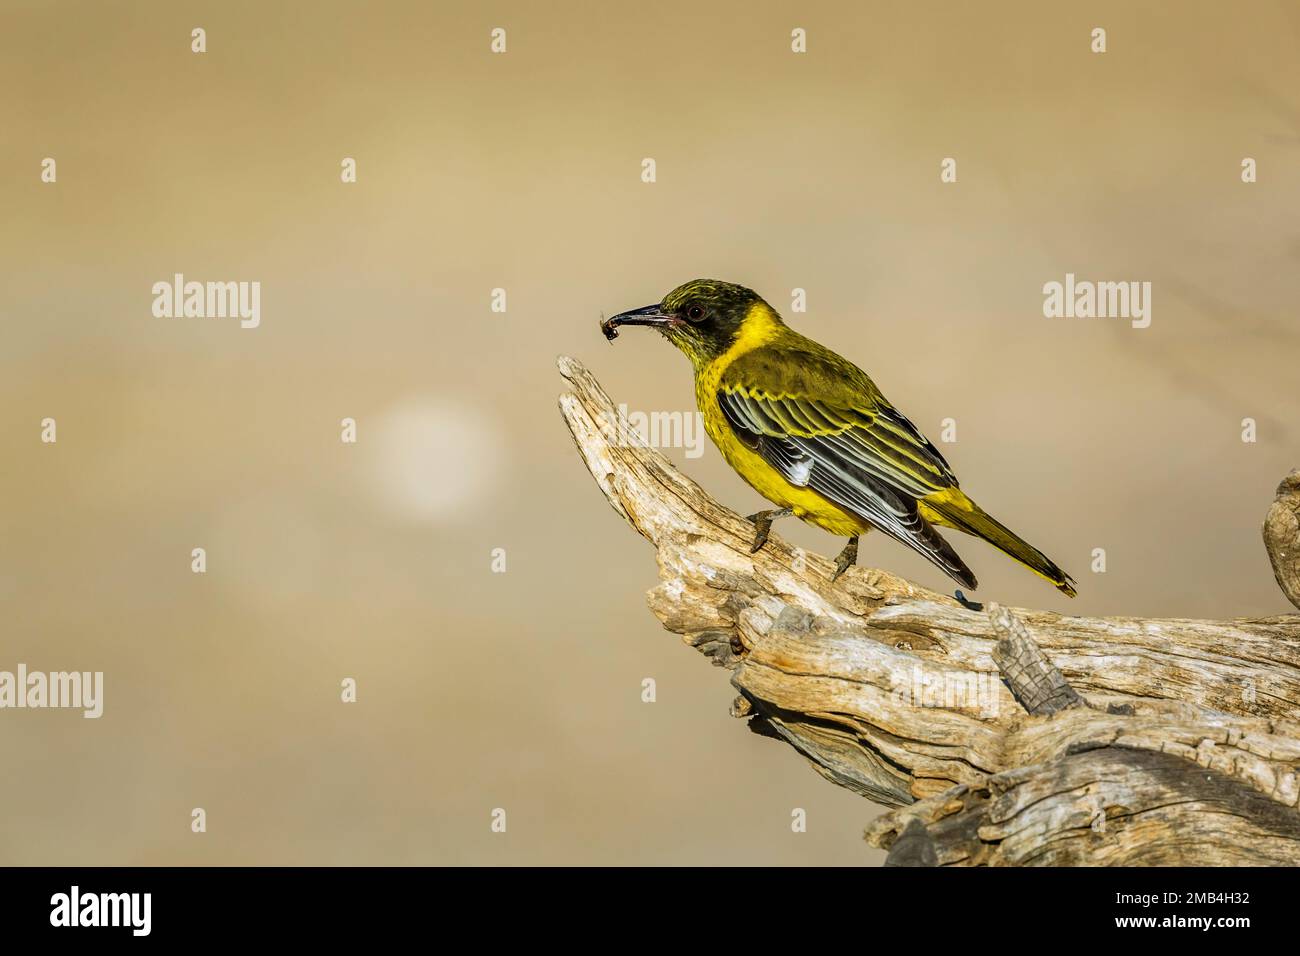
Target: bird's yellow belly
767	481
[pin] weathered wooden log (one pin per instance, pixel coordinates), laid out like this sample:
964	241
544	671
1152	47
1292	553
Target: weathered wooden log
1006	736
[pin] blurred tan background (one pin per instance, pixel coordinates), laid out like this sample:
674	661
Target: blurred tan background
522	690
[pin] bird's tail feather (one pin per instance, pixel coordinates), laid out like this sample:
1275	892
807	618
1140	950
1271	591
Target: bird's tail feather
933	546
959	512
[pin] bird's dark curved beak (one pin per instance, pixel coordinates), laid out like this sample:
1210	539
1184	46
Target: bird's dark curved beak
647	315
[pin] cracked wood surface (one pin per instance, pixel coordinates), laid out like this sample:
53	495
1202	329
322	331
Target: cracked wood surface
1010	736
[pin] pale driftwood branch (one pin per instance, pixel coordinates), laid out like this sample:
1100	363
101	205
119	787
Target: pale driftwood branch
1007	737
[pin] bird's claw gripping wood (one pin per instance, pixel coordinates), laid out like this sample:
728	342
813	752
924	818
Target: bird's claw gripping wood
848	557
763	525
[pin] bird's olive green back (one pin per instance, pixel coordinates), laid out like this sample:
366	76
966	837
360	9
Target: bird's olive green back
808	394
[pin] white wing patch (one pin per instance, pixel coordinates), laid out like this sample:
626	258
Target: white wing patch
800	472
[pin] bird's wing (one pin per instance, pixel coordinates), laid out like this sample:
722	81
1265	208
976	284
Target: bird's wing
824	425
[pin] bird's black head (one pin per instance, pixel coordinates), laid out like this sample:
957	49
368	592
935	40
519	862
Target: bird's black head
703	318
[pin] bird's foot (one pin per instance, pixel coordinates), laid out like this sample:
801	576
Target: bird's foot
968	605
848	557
763	525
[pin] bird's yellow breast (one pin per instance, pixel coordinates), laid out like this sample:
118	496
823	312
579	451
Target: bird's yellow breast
762	328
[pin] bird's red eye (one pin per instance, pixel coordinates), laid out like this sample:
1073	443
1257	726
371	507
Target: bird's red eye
695	313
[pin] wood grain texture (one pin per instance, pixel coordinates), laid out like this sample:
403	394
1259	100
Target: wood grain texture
1009	736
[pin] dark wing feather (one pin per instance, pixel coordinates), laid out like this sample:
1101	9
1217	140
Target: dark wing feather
839	437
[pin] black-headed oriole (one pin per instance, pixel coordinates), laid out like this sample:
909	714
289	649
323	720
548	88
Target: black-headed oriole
813	434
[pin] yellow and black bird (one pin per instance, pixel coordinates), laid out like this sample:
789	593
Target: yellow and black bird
811	432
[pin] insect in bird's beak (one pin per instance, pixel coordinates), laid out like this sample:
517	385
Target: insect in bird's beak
648	315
